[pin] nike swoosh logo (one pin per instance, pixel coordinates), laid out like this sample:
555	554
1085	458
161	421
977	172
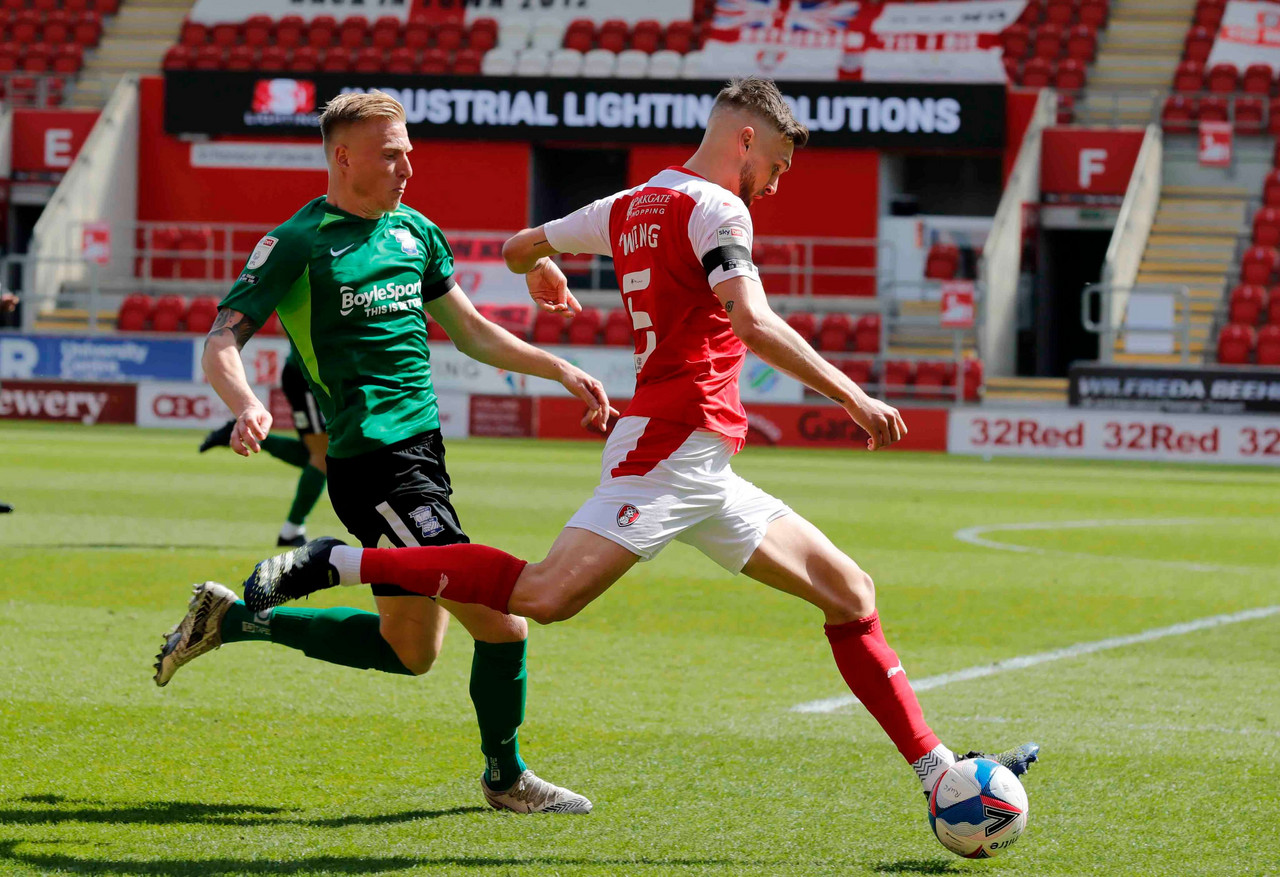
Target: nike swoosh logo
333	252
509	739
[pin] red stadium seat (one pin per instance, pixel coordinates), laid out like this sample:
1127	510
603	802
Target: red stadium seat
353	33
580	35
1049	42
646	36
135	312
1061	12
201	314
1266	227
107	7
943	262
866	334
1273	117
434	61
1094	14
77	5
322	32
417	34
305	59
1275	156
515	318
1247	305
1257	79
898	377
225	34
972	379
26	26
368	60
38	58
274	59
88	29
1235	343
1249	113
483	35
614	34
934	378
1032	13
386	32
856	370
1177	115
257	31
168	313
1199	44
834	332
1190	76
1224	78
679	36
467	62
44	5
449	36
1271	189
1209	15
291	31
1038	73
1269	345
804	324
9	56
241	58
617	329
548	328
402	60
1082	43
1070	75
1273	305
68	58
57	28
207	58
1259	265
337	59
1012	70
585	327
1212	109
178	57
1017	41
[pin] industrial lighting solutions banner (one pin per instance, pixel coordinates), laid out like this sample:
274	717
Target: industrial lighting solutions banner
840	114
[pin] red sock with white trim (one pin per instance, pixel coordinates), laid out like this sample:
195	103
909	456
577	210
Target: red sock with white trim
462	573
874	674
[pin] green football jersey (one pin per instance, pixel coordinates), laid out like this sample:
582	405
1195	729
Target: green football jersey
350	294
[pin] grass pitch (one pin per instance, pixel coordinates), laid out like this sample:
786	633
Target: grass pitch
668	701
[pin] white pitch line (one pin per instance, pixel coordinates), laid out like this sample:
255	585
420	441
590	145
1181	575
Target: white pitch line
831	704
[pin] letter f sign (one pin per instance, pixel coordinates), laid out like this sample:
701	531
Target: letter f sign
1092	163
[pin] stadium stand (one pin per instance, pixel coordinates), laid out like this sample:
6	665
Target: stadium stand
43	47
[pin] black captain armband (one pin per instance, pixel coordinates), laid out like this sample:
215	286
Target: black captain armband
728	258
437	289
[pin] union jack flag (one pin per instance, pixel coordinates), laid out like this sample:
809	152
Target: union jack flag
821	16
748	14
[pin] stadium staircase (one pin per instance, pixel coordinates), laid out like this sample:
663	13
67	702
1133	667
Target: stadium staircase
134	40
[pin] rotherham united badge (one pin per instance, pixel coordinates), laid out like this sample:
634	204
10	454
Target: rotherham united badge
627	515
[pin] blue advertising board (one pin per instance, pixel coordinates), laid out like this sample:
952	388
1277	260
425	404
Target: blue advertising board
95	357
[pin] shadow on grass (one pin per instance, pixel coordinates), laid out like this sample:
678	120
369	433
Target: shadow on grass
61	809
178	867
918	866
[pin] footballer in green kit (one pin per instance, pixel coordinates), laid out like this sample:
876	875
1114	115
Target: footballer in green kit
353	275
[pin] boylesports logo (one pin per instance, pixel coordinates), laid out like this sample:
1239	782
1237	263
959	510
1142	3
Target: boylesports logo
627	515
382	299
283	102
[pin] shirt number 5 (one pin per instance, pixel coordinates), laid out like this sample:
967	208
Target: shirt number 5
632	283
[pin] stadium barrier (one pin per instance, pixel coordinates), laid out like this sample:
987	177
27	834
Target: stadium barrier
1144	317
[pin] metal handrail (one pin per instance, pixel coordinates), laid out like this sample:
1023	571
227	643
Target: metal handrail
1106	328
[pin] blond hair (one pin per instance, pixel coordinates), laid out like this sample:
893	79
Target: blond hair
354	107
761	98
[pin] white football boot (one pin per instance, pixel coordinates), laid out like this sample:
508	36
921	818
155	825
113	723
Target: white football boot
199	631
530	794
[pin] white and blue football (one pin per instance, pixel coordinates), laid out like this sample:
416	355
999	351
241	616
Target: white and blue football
978	809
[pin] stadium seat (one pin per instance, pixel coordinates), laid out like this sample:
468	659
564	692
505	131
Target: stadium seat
1199	44
1189	77
1266	227
1269	345
57	28
834	332
240	58
679	37
290	31
1235	343
1259	265
1271	189
417	34
257	31
1070	75
898	377
548	328
9	56
1224	78
402	60
613	35
178	57
305	59
1177	115
385	33
1273	306
664	64
88	29
691	66
207	58
632	64
434	61
1032	13
449	36
1208	15
1016	41
483	34
513	35
1061	12
1249	114
943	262
585	327
201	314
972	379
866	334
499	61
1038	73
617	329
599	64
225	34
804	324
194	34
548	34
515	318
77	5
1212	109
337	59
168	313
467	62
368	59
1247	304
1257	79
135	312
936	380
566	62
533	62
1094	13
353	33
580	35
646	36
857	370
274	59
1048	42
1082	43
322	32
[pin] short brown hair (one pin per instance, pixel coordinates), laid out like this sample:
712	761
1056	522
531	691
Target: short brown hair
761	97
348	109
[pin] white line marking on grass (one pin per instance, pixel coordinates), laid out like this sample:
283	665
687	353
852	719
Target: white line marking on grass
974	536
831	704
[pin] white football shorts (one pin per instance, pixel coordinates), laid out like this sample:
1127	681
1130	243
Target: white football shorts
662	481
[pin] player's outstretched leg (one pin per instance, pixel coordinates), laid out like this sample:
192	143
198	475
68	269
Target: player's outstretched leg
1018	759
198	632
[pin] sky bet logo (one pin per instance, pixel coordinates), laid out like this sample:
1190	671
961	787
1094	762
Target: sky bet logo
382	299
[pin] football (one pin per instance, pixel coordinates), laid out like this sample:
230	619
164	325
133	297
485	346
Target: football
978	809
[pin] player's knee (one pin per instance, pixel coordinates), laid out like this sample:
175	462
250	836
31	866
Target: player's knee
417	655
855	597
317	461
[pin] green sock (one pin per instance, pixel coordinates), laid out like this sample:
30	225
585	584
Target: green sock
497	690
291	450
310	486
342	636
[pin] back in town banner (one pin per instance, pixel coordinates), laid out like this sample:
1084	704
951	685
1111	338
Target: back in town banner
849	114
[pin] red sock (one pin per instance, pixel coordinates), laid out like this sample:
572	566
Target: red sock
873	673
463	573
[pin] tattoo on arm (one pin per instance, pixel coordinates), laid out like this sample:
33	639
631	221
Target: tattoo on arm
238	324
728	306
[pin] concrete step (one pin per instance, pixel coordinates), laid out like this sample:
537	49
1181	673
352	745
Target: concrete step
1222	254
1213	268
1156	359
1016	383
1204	281
1162	239
1220	192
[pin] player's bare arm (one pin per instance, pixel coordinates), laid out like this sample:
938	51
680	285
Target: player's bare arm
769	337
225	371
493	345
528	253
